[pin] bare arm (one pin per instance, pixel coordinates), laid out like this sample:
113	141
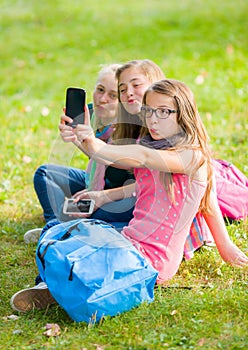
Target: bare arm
136	156
126	156
107	196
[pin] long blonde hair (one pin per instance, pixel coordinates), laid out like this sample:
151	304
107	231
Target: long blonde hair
128	126
194	132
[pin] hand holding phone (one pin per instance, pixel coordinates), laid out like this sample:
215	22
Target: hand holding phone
75	103
84	206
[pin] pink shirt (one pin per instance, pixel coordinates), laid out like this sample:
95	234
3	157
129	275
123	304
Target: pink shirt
159	228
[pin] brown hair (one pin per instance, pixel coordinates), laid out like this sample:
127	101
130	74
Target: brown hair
194	132
128	126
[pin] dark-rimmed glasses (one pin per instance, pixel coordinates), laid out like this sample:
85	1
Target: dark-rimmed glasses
161	112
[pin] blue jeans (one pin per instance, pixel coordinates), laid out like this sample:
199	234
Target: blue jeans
53	183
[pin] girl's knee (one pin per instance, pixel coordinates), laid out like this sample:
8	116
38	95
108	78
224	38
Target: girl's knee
39	173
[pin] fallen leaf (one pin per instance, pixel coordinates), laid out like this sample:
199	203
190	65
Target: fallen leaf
52	330
13	317
218	271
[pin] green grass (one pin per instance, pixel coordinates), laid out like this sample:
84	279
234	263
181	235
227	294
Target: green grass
48	45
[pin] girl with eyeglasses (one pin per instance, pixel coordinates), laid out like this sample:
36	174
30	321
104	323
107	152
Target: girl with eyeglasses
134	77
173	171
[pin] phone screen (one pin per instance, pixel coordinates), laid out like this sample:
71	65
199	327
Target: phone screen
82	206
75	102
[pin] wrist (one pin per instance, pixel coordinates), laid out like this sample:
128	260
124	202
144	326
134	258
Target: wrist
223	244
93	145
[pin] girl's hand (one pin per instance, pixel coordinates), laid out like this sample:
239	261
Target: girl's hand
85	194
84	131
67	133
97	196
231	254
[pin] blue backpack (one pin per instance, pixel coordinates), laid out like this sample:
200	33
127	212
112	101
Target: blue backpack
91	270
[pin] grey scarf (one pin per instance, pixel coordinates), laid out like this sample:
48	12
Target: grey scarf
161	144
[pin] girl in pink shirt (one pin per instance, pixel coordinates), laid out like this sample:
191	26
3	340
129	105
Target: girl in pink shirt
173	173
160	226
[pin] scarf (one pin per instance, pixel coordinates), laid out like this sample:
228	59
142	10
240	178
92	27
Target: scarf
148	141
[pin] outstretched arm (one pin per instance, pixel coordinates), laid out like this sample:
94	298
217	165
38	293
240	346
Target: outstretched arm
135	156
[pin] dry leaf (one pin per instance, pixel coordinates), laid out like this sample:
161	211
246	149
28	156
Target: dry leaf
52	330
13	317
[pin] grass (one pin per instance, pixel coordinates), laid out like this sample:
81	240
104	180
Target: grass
45	47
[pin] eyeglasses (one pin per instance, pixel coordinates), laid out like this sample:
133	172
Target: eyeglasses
161	113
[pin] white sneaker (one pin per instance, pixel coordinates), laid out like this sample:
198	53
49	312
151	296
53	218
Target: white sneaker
37	297
32	236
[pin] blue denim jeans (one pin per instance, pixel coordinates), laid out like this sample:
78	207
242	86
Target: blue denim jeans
53	183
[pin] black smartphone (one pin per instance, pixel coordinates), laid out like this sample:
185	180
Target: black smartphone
85	206
75	102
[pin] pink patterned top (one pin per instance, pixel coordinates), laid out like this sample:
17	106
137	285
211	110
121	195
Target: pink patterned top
159	228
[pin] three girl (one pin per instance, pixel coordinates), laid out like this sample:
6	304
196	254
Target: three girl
134	78
172	166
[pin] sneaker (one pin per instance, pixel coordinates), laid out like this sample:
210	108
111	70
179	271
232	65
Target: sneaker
32	236
37	297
